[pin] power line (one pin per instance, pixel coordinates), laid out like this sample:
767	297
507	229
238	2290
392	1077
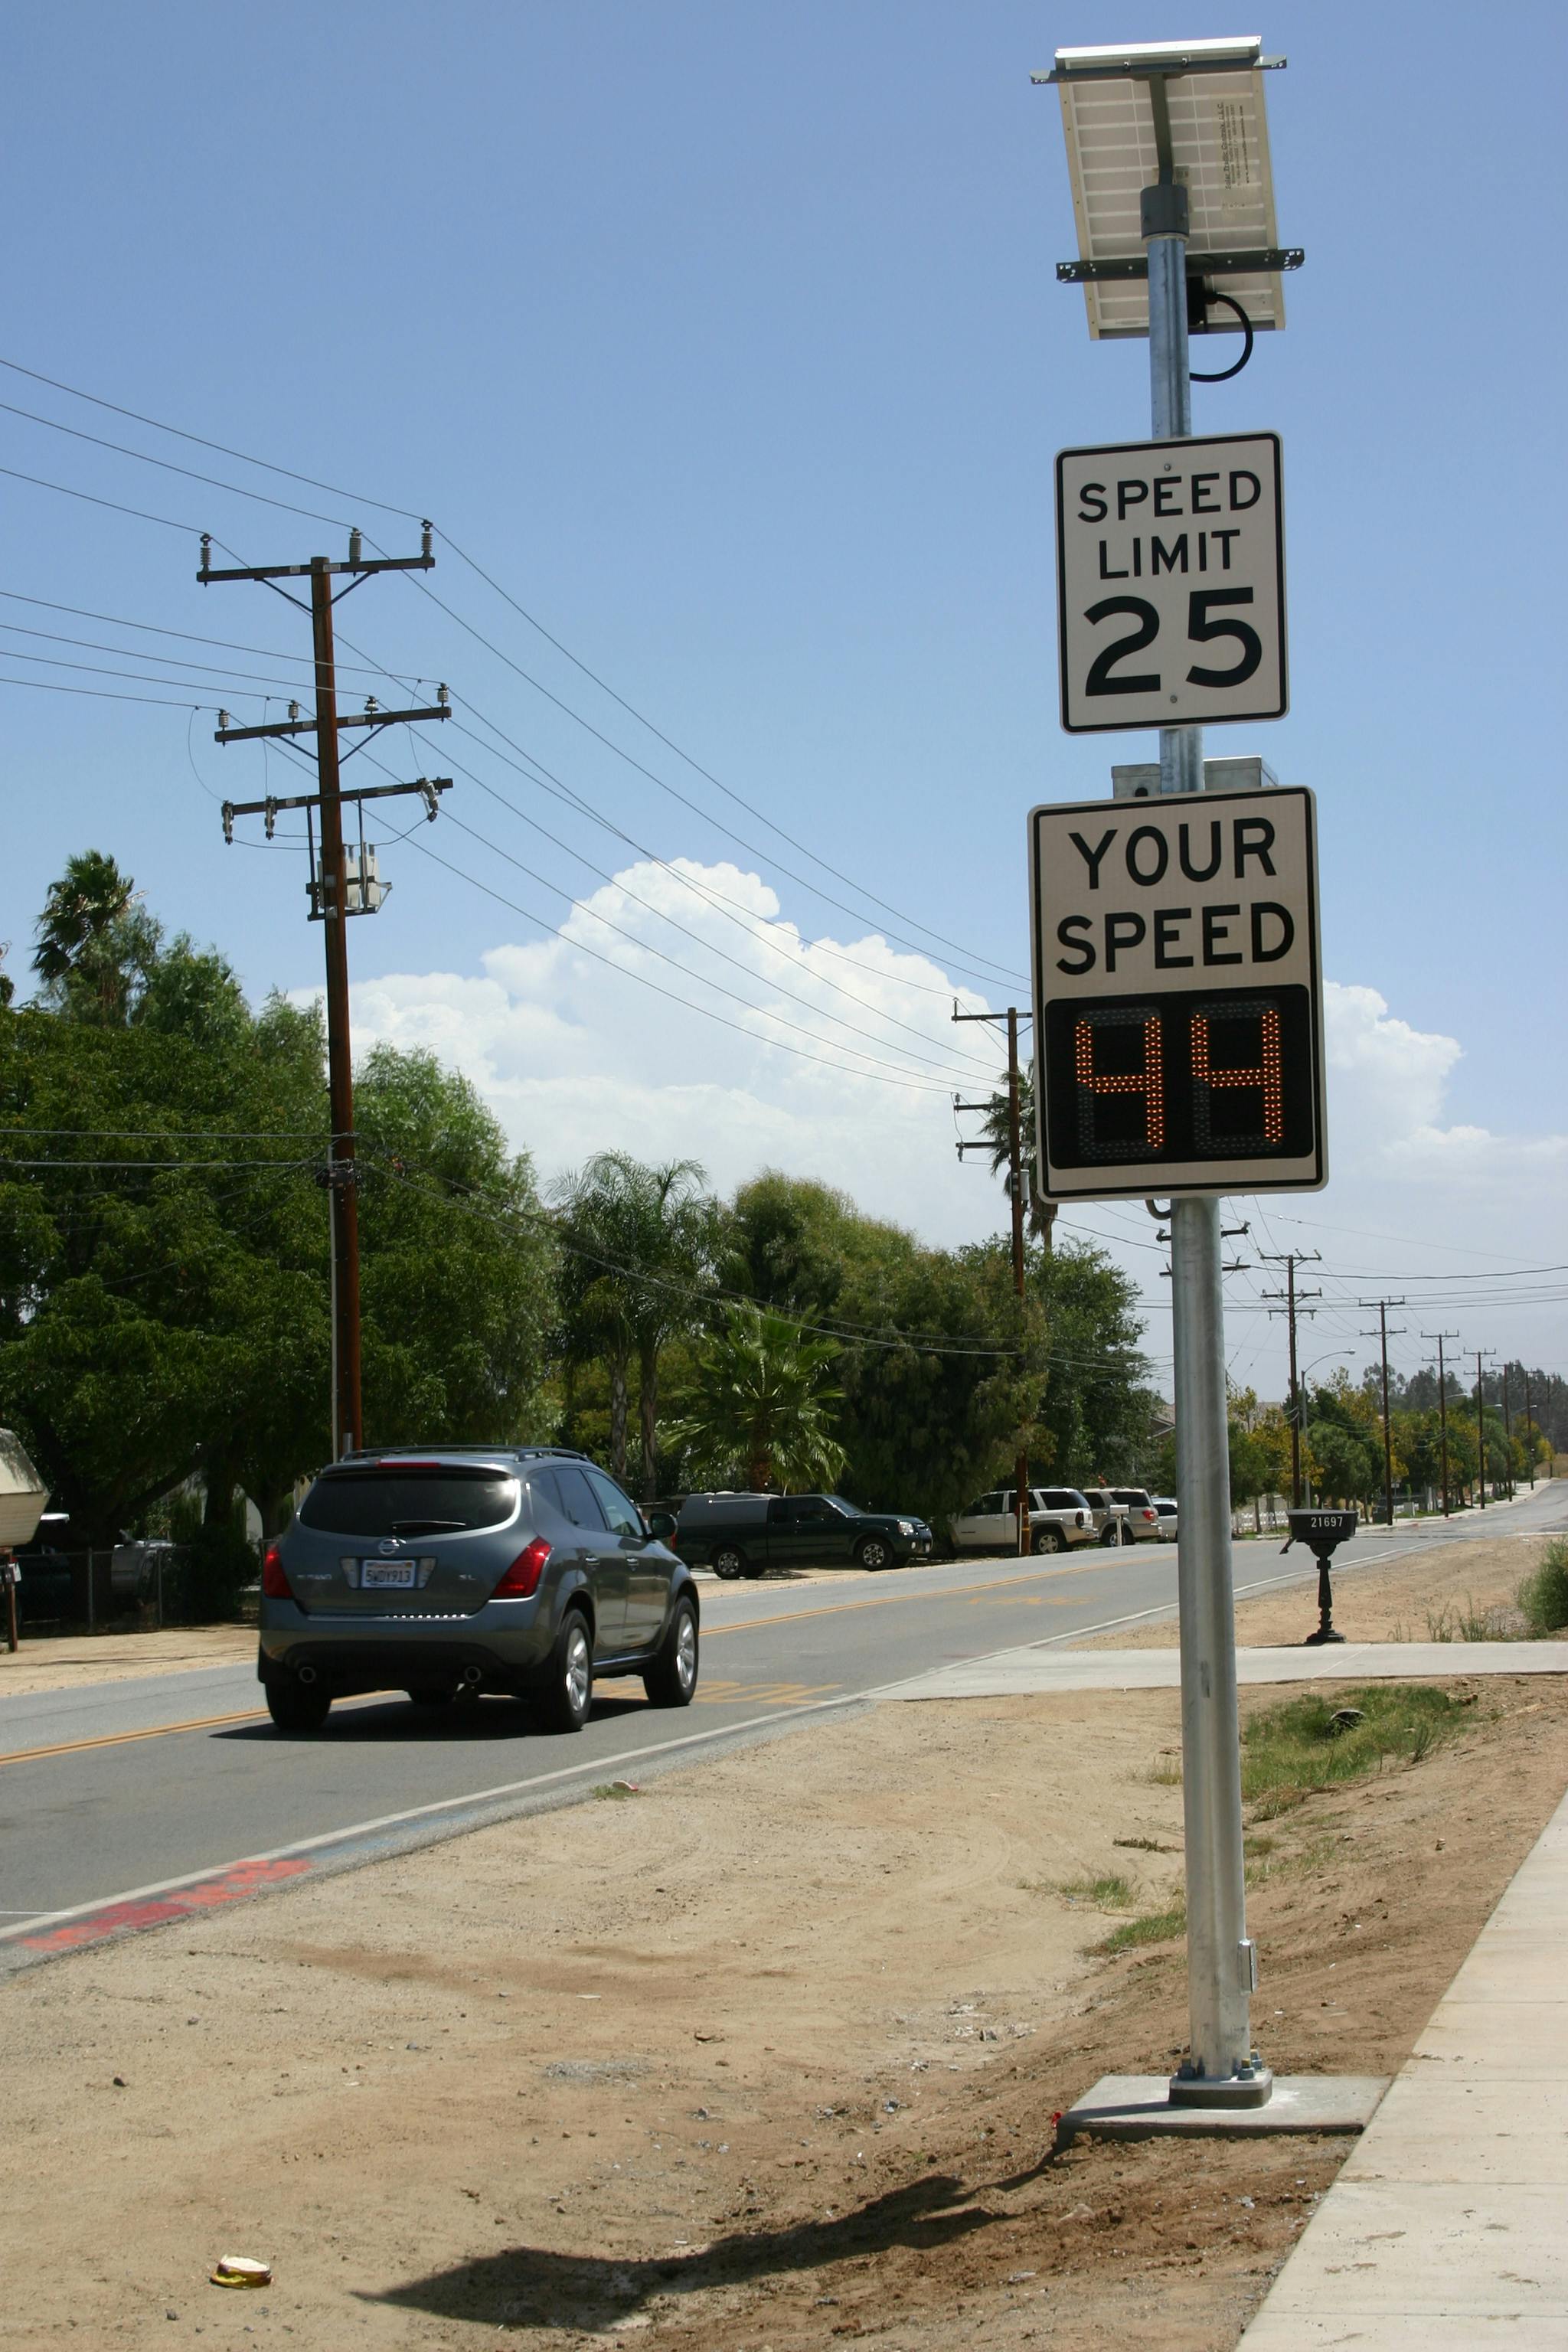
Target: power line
707	945
973	963
91	499
646	948
707	773
579	946
104	694
409	514
191	637
547	781
167	466
235	489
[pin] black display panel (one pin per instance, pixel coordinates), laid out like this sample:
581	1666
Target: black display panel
1180	1077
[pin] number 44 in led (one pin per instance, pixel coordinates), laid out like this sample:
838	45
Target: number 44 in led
1208	1077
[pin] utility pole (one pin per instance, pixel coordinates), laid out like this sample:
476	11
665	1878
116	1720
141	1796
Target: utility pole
342	885
1291	1260
1507	1429
1481	1424
1533	1432
1442	1405
1382	1306
1015	1196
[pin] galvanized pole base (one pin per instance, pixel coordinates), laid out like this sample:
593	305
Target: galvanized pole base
1222	2069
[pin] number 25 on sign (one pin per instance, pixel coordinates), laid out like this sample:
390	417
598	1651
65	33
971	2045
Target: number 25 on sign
1171	583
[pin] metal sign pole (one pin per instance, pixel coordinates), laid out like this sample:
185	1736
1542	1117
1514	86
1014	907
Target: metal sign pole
1221	2068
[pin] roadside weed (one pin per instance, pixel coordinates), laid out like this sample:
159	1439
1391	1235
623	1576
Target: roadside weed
1149	1927
1290	1751
1109	1891
1497	1623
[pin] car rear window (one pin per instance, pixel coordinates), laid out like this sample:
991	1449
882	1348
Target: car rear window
448	1501
1134	1494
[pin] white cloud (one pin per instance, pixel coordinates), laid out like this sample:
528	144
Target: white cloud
841	1061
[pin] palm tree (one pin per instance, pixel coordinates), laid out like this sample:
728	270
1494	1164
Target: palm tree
994	1130
95	941
759	1406
640	1240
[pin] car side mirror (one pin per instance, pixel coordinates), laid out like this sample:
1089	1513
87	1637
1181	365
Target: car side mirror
660	1525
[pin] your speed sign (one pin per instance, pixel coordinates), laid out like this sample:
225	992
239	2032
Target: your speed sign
1171	583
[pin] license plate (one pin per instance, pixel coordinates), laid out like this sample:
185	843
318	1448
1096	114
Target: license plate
383	1575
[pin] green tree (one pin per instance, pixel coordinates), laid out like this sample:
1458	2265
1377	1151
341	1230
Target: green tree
759	1406
457	1260
1098	1410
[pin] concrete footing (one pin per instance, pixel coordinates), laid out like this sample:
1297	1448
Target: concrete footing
1140	2107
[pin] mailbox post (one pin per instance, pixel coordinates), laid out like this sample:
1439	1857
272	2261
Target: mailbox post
1322	1532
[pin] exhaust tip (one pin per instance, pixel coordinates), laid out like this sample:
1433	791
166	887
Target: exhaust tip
472	1676
306	1674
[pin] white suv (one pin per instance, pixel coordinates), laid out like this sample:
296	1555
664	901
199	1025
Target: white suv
1059	1516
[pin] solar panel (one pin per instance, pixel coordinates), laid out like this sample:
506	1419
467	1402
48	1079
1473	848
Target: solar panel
1219	142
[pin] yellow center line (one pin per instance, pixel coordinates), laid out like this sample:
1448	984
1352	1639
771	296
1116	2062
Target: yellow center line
710	1632
117	1738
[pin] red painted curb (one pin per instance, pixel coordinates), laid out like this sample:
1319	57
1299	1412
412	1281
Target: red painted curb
231	1886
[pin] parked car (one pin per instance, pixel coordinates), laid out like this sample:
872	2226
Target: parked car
458	1570
1059	1516
1124	1514
742	1535
1165	1506
134	1566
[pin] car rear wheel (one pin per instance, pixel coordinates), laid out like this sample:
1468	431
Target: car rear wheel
875	1553
1048	1540
295	1706
567	1692
671	1680
729	1563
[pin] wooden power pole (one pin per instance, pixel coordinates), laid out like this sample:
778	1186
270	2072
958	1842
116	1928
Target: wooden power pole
343	885
1381	1334
1016	1179
1293	1308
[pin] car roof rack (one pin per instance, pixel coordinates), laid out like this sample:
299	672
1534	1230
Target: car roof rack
446	1447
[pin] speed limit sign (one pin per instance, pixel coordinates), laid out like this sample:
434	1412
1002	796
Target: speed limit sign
1171	583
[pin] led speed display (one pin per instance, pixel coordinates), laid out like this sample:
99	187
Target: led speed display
1177	995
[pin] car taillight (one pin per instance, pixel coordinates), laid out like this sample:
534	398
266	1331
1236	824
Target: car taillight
1148	1515
275	1584
1078	1519
520	1582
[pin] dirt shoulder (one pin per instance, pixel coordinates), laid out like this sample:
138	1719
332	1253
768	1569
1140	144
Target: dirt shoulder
70	1660
1423	1599
767	2054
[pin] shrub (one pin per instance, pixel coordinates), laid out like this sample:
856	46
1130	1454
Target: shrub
1543	1596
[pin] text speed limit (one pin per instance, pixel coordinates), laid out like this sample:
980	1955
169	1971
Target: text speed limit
1171	583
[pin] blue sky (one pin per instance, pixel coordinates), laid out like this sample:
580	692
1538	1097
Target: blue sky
729	340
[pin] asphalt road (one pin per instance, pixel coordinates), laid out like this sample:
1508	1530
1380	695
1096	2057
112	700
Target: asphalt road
120	1792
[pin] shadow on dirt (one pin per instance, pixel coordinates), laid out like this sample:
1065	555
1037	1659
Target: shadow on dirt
529	2286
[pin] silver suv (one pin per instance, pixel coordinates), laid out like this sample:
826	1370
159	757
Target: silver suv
467	1569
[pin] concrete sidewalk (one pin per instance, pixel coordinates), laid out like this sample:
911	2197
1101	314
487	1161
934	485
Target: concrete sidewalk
1447	2228
1020	1673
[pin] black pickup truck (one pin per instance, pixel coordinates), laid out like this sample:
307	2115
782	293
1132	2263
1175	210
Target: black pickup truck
742	1535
